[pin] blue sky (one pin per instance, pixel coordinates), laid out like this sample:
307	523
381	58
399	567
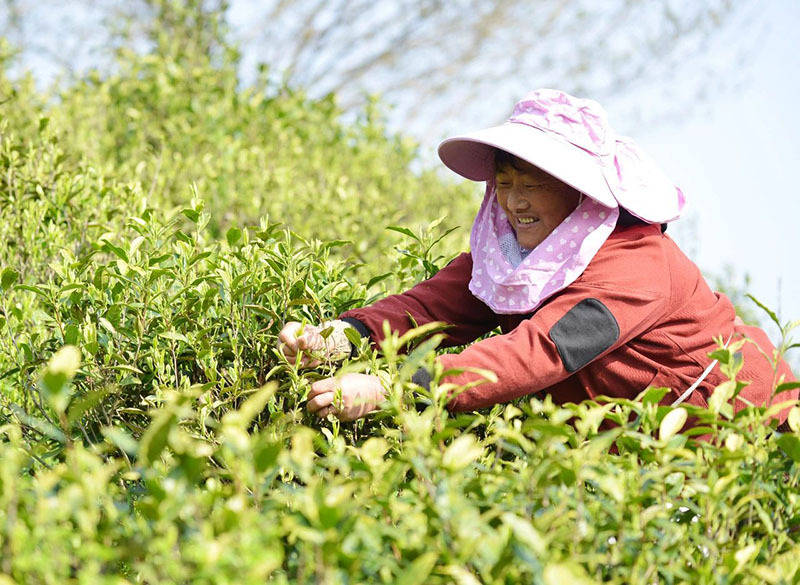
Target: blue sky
737	159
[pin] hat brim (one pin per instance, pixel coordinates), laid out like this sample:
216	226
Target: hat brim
472	156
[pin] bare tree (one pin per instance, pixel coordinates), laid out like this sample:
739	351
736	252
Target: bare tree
429	56
437	60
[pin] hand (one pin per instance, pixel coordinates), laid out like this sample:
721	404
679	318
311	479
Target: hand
361	394
290	343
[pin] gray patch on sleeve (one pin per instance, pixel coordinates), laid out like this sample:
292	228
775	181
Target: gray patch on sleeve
422	377
583	333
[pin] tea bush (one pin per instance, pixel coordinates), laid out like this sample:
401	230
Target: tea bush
159	224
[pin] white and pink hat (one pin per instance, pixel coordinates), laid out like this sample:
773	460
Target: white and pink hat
571	139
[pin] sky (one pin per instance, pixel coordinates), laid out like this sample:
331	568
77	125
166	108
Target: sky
735	156
737	160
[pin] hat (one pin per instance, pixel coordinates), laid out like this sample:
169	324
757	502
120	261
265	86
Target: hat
571	139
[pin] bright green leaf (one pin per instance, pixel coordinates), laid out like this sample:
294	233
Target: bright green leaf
419	570
8	277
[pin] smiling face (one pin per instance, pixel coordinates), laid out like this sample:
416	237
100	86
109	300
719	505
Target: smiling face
534	201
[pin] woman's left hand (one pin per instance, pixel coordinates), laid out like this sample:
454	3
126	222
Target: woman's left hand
360	395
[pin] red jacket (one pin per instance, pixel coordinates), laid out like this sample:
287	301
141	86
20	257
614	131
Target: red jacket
640	315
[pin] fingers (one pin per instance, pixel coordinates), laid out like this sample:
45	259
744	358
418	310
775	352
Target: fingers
308	340
360	395
288	335
322	386
321	396
287	340
289	344
321	402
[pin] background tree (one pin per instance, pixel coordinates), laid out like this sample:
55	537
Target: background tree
421	55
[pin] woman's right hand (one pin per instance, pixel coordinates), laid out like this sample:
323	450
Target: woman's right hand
292	342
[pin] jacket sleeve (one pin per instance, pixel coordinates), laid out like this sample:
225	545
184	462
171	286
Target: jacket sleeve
444	297
572	329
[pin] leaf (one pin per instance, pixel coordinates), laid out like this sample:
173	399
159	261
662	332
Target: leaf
404	231
265	454
422	331
525	533
116	250
672	423
376	279
183	237
461	452
744	555
460	575
251	407
419	570
121	439
353	336
373	451
175	336
106	324
233	235
790	445
786	386
613	486
155	437
330	244
721	395
769	312
135	245
415	359
86	403
196	258
71	334
8	277
734	442
66	360
43	426
34	289
566	573
652	395
794	419
57	375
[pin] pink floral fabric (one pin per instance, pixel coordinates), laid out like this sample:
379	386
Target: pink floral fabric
550	267
581	122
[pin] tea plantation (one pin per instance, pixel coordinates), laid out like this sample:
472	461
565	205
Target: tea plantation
159	223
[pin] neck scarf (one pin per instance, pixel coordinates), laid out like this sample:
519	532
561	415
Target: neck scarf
508	285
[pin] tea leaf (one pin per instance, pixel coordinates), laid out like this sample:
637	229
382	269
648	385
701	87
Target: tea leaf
8	277
794	419
461	452
525	532
419	570
566	572
154	439
233	235
672	423
790	445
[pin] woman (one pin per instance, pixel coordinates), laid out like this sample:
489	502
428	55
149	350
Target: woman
569	257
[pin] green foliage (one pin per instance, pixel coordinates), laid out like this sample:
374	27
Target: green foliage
150	433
